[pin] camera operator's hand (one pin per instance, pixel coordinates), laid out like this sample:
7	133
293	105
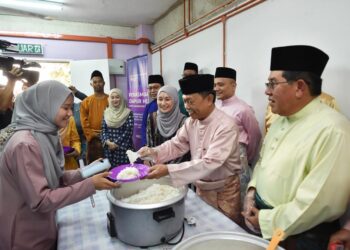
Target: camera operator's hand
73	89
14	74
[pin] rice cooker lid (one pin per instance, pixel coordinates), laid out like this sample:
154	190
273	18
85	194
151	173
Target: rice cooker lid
226	240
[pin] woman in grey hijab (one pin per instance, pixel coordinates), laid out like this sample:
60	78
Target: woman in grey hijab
167	120
32	183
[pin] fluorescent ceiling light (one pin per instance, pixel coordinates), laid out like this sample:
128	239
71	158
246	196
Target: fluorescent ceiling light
33	4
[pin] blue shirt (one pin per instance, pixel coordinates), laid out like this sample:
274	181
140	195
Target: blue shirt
150	108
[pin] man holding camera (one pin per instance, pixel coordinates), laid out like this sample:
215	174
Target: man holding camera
6	96
13	75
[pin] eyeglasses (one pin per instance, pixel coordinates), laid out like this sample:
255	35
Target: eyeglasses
271	85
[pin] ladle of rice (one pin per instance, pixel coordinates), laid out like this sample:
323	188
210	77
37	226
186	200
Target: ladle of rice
132	156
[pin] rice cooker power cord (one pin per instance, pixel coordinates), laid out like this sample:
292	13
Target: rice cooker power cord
165	241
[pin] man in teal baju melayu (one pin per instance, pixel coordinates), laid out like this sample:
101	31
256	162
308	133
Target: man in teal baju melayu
301	182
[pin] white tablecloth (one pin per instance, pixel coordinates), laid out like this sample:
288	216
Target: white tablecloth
82	227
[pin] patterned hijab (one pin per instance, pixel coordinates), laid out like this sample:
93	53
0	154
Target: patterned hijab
168	123
116	117
36	109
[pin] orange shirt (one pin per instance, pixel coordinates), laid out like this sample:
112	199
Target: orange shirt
91	115
70	138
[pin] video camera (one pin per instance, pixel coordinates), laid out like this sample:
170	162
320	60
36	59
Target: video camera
6	63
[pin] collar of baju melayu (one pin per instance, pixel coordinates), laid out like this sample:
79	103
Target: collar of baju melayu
210	118
153	102
305	111
229	101
152	106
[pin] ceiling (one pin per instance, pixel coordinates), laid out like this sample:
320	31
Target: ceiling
128	13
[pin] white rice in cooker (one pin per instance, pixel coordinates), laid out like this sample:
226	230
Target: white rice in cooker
153	194
128	173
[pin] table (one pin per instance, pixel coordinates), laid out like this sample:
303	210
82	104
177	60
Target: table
82	227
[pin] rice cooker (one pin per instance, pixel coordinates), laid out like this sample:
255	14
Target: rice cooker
225	240
145	225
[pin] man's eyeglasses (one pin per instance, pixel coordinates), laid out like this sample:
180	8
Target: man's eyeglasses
271	85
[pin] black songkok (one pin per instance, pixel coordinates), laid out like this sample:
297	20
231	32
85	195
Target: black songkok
96	73
196	84
225	73
190	65
299	58
155	79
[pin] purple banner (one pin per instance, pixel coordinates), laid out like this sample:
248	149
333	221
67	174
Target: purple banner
137	75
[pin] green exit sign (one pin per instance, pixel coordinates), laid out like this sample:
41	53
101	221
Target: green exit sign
31	49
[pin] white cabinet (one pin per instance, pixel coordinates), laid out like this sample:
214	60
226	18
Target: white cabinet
116	66
81	72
